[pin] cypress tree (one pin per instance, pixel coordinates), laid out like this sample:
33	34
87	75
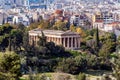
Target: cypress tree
97	38
9	45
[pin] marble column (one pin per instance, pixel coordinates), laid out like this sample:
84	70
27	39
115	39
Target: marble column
64	42
30	39
48	39
78	42
36	40
60	41
71	42
68	42
53	39
75	42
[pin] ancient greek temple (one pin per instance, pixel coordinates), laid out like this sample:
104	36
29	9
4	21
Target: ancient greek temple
68	39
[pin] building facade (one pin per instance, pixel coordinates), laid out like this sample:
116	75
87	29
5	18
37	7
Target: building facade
68	39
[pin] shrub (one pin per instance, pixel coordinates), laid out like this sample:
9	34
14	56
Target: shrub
81	76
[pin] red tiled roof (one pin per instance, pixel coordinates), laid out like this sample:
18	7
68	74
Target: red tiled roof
99	21
59	11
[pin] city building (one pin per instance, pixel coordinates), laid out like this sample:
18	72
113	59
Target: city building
68	39
75	20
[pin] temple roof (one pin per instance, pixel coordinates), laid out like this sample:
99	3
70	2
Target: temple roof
53	32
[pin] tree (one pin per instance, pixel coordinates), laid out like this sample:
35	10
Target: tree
72	28
9	45
59	25
21	27
44	25
107	48
116	66
33	26
4	35
16	39
26	44
80	31
55	50
42	39
92	62
118	39
96	38
9	65
81	76
72	65
68	66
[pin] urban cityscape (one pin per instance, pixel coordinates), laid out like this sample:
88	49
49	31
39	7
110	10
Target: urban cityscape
59	39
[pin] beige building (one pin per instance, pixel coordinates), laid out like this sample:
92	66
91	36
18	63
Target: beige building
68	39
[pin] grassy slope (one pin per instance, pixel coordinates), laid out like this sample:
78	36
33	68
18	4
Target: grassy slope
59	76
53	76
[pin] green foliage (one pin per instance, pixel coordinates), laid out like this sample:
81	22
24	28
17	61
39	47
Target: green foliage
72	65
67	66
81	76
9	65
4	35
90	32
33	25
60	26
107	48
42	40
15	39
6	28
92	61
25	42
96	35
74	53
11	37
89	37
116	66
118	39
20	27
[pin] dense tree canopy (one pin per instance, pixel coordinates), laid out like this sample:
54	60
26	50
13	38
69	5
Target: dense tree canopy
9	66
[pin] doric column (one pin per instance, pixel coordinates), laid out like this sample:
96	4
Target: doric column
64	42
75	42
71	42
78	42
29	39
36	39
60	41
53	39
49	39
68	42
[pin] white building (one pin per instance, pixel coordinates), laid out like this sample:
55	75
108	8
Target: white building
21	19
17	19
99	24
75	20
